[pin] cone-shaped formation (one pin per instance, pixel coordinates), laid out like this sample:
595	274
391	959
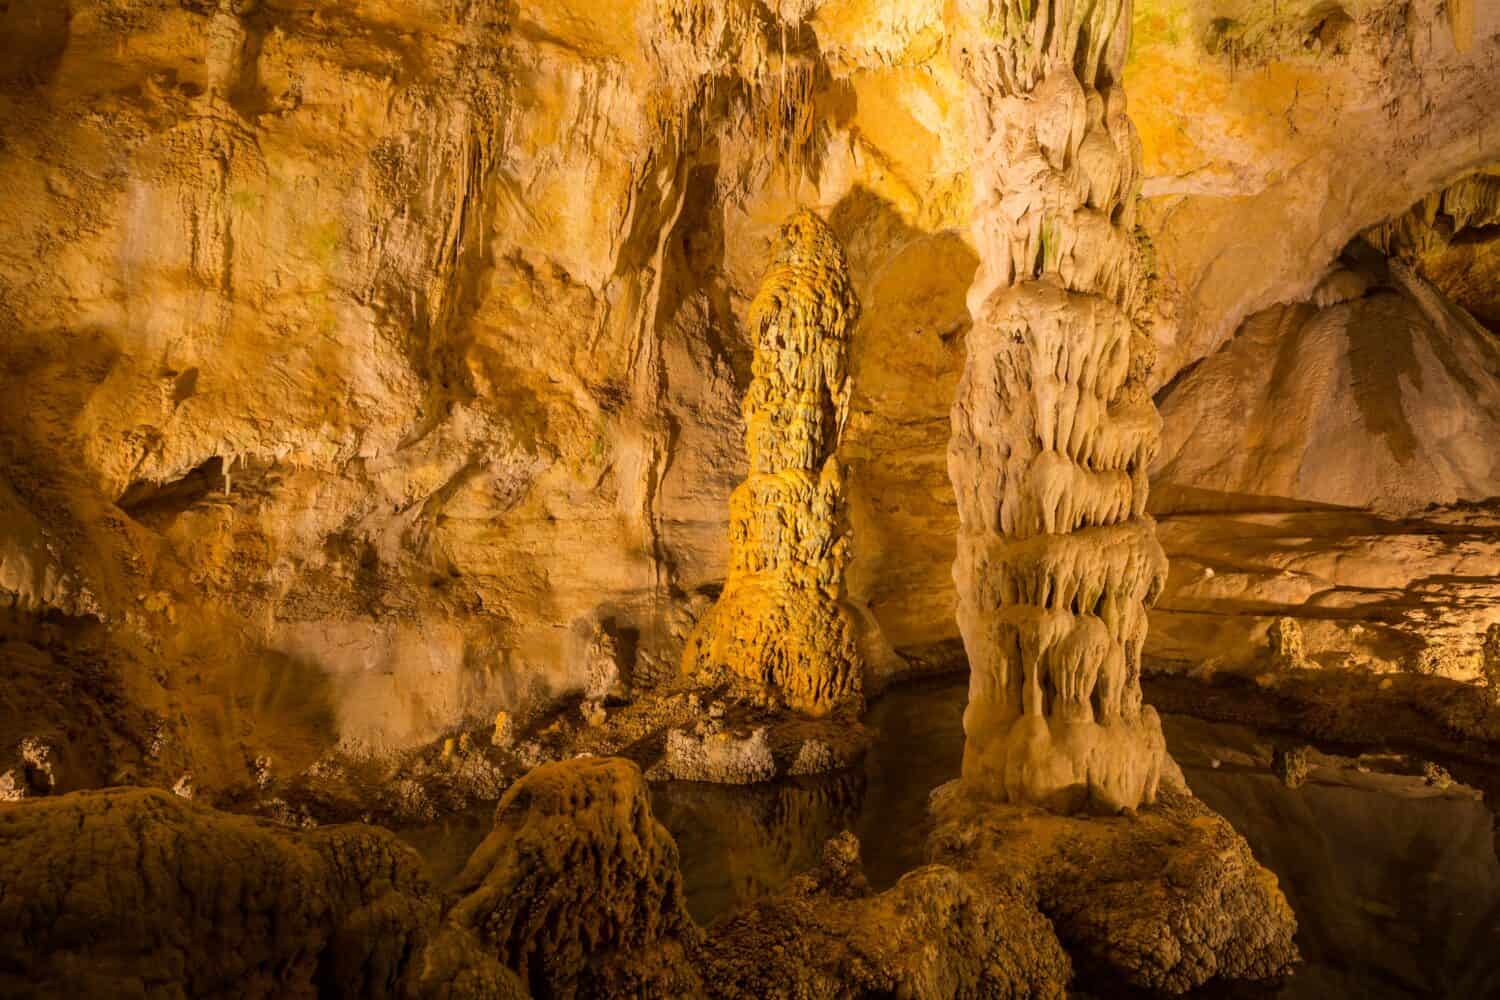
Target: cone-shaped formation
1053	427
780	623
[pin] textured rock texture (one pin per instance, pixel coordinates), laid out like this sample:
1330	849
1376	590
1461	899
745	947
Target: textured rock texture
577	889
1167	900
359	358
1452	238
591	906
780	623
1383	400
934	935
135	892
1331	466
1053	429
1275	132
575	872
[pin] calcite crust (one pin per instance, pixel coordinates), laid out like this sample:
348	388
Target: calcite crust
780	623
1053	426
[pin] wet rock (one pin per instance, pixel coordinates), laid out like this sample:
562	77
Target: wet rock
934	935
1167	899
577	888
746	753
720	757
136	891
1291	764
575	873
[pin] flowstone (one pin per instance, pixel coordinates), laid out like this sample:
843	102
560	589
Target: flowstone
1166	900
1053	424
781	624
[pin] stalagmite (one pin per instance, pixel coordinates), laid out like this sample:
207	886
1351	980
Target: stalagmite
780	623
1053	426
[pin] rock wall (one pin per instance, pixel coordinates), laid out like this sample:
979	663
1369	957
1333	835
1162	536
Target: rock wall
1275	132
1382	397
1346	485
1450	238
358	360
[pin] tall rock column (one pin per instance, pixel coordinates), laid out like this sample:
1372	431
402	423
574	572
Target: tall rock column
1053	427
780	623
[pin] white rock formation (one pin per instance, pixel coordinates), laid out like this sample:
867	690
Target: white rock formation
1053	429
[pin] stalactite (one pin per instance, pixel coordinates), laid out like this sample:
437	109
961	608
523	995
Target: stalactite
780	623
1053	428
1473	202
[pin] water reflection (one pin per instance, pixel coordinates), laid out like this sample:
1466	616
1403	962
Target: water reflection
739	843
1395	883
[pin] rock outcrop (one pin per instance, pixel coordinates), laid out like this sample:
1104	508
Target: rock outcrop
1053	428
1166	900
575	874
1276	132
934	935
135	892
577	890
1452	238
1330	466
780	623
1384	400
592	907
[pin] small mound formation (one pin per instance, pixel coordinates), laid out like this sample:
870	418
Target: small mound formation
780	623
575	873
933	935
1166	900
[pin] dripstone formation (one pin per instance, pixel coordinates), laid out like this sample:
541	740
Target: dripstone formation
1053	426
780	623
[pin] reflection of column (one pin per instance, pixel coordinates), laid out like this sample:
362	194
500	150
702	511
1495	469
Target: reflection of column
1053	427
780	622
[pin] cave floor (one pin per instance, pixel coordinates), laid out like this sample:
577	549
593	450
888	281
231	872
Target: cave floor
1393	876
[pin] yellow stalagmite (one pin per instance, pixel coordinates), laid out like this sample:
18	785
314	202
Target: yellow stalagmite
780	623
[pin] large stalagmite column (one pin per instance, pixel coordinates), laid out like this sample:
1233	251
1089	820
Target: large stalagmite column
780	623
1053	427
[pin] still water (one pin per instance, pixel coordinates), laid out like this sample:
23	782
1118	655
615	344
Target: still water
1395	882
